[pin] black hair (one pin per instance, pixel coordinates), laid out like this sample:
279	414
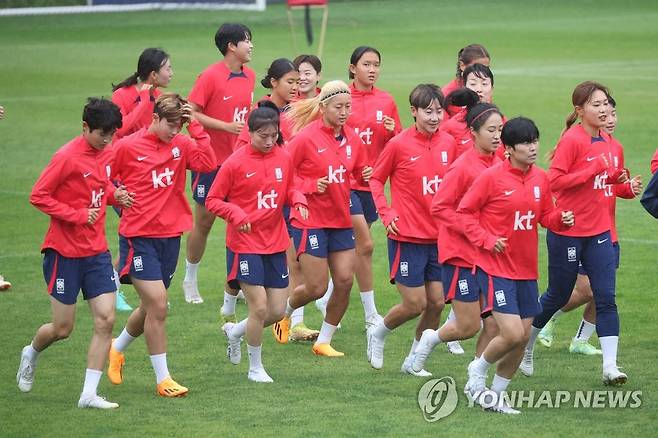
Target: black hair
480	70
279	68
311	59
103	114
358	53
231	33
463	97
264	116
478	114
151	59
469	54
423	95
612	101
519	130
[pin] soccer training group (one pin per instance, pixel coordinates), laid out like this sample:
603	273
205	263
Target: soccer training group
299	177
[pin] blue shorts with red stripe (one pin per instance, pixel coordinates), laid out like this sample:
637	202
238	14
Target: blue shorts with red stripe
361	202
267	270
319	242
201	183
615	247
515	297
459	284
413	264
148	258
65	276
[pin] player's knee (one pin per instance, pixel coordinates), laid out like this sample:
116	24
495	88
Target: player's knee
365	246
468	329
104	323
343	283
258	311
274	315
435	304
63	330
514	338
415	305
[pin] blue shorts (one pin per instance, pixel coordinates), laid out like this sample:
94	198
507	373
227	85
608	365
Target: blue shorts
319	242
413	264
149	259
515	297
361	202
615	247
459	284
65	276
267	270
201	183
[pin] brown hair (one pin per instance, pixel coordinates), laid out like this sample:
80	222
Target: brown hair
469	54
170	106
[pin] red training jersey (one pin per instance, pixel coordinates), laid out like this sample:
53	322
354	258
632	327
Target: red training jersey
415	163
614	191
654	162
285	126
155	171
136	108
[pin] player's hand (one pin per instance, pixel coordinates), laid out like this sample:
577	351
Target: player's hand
92	215
234	127
366	173
392	227
322	184
188	113
636	185
123	197
501	244
389	123
245	228
568	218
623	177
303	211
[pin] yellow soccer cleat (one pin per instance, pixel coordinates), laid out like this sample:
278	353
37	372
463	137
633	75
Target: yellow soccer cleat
301	333
169	388
281	330
115	366
326	350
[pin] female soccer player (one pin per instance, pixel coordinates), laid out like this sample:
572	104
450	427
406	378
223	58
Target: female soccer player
152	162
251	189
325	153
500	213
415	161
456	253
580	170
74	190
310	73
467	56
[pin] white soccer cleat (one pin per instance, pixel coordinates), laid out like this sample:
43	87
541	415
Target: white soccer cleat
502	407
423	350
374	320
96	402
476	384
4	284
240	295
454	347
191	290
375	350
233	351
259	375
612	376
25	374
407	368
527	366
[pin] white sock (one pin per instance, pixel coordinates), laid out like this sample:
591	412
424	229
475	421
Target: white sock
481	365
414	344
159	362
557	314
585	331
451	315
534	332
239	329
255	357
229	304
123	341
191	270
330	290
609	349
297	316
117	283
289	309
326	333
499	384
32	353
381	331
368	301
435	338
92	378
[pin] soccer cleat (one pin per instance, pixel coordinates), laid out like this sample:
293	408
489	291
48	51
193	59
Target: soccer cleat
240	295
375	349
454	347
191	290
281	330
326	350
476	383
407	368
423	350
526	366
374	320
583	347
115	366
259	375
96	402
502	407
227	317
121	304
546	334
233	351
169	388
4	285
302	333
25	374
612	376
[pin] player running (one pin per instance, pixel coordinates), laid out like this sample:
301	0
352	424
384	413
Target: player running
310	73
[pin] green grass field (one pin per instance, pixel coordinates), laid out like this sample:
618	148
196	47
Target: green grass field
540	51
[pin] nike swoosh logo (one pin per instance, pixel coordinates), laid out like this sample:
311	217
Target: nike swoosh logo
285	276
321	150
509	192
227	97
601	241
142	158
249	175
466	141
112	278
415	158
591	158
86	174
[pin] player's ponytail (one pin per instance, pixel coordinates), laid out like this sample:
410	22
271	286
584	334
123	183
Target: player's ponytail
151	60
305	111
462	97
279	68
